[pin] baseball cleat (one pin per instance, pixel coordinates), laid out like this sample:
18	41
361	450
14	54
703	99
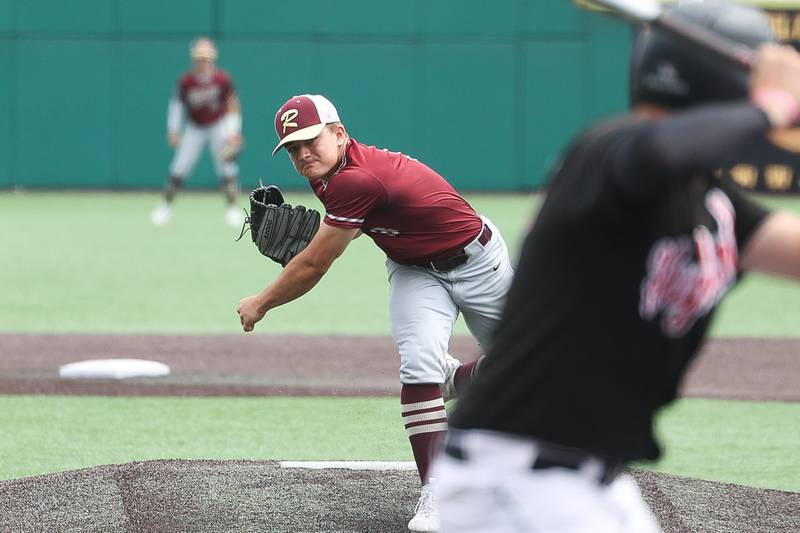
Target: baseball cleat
451	364
161	215
234	216
426	516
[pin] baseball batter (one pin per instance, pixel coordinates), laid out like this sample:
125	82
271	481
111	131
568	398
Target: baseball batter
442	258
632	251
207	97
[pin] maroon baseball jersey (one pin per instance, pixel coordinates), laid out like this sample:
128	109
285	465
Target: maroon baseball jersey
409	210
205	98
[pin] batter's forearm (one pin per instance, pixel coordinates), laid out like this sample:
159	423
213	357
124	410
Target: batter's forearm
704	139
681	145
694	141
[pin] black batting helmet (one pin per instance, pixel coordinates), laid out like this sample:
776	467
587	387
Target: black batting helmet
668	71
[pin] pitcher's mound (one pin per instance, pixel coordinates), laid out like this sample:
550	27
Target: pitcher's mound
174	496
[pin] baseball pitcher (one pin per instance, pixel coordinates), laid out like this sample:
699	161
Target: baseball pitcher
443	259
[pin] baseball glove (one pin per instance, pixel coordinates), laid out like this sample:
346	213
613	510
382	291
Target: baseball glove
279	230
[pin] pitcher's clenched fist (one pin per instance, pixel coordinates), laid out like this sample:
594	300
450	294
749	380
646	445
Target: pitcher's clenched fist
249	311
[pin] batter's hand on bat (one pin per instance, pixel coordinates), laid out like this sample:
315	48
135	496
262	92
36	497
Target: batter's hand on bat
775	83
249	312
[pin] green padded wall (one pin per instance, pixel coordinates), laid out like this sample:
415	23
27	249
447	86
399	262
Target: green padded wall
6	125
556	95
473	18
607	61
465	116
487	93
188	17
374	103
353	18
63	114
69	17
6	24
141	107
554	17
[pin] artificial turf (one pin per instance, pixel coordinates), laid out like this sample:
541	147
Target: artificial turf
78	262
747	443
92	262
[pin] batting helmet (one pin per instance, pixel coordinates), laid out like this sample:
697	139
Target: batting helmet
669	71
203	48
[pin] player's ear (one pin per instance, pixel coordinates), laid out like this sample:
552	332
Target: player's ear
340	135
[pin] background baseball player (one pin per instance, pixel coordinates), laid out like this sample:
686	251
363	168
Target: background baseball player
207	97
442	258
634	247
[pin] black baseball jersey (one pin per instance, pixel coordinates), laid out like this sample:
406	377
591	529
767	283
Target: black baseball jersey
632	250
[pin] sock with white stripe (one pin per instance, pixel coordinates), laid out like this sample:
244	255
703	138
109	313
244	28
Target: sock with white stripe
426	422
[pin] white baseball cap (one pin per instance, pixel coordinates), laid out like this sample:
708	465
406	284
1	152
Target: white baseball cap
303	117
203	48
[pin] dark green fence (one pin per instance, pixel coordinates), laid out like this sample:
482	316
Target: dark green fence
484	92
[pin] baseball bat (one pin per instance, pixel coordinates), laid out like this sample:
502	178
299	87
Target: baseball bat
650	12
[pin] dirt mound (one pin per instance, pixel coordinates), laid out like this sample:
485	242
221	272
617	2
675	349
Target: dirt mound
250	496
691	505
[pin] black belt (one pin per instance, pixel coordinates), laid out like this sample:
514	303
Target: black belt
459	258
553	456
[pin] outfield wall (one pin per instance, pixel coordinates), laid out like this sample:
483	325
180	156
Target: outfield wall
484	92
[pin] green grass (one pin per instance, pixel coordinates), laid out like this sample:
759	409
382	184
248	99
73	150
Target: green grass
43	434
747	443
93	263
738	442
78	262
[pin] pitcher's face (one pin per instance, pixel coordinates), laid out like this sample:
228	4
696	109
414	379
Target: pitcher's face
317	157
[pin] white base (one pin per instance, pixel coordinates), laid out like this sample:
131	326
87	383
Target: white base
351	465
113	369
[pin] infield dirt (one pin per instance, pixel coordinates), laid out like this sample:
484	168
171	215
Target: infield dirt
215	496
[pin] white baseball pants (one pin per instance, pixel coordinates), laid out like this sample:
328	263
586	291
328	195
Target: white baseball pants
424	305
495	490
193	141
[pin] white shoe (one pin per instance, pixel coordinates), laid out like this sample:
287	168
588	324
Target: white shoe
161	215
451	364
234	216
426	515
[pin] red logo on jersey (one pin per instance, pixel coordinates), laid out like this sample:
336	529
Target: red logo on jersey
686	277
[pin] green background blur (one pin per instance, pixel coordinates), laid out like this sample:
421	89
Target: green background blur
484	92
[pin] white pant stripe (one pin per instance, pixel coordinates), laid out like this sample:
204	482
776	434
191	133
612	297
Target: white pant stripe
407	407
428	428
433	415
